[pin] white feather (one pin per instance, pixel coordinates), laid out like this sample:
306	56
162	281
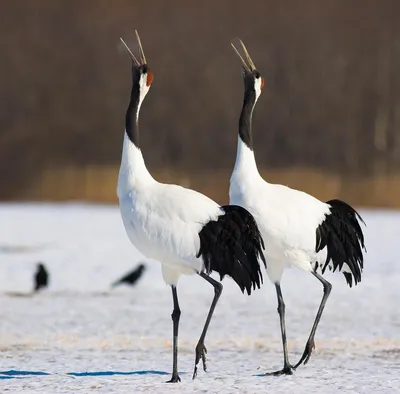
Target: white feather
257	87
287	218
164	221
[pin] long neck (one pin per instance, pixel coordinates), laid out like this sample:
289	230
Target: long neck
132	116
133	172
245	159
249	102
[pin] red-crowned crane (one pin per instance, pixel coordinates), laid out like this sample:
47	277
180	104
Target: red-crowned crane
298	230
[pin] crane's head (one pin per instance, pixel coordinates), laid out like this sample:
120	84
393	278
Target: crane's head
253	81
142	77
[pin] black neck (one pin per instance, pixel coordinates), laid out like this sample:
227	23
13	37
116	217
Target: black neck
132	116
245	117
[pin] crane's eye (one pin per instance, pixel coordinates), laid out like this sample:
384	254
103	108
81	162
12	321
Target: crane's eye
258	76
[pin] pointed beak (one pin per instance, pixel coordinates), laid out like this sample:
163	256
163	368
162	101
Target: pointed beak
142	56
134	60
248	64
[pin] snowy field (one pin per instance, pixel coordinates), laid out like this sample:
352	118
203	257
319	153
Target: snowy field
79	336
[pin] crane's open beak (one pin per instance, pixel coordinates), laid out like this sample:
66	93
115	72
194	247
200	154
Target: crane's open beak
248	64
141	52
142	57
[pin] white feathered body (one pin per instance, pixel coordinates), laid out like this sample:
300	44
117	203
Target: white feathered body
163	221
287	218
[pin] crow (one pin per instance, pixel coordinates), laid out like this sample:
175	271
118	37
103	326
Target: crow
131	277
41	277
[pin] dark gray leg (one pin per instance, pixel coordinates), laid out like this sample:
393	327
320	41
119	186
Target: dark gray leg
176	314
310	345
287	368
200	348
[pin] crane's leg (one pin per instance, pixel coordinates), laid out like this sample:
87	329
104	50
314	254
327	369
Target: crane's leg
287	368
176	314
201	350
310	345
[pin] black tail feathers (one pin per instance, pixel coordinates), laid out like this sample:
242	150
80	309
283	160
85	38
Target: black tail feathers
232	245
341	233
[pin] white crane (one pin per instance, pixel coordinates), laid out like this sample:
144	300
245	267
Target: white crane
183	229
298	230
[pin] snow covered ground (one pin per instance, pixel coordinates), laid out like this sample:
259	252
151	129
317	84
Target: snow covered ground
79	336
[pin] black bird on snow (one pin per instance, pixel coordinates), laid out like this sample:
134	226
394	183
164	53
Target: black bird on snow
131	277
41	277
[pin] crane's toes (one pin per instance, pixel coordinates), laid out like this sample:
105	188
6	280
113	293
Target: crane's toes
174	379
194	373
201	352
310	346
287	370
203	358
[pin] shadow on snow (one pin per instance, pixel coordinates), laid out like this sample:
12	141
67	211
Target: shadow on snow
20	374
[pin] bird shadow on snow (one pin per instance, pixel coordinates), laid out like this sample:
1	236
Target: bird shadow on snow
22	374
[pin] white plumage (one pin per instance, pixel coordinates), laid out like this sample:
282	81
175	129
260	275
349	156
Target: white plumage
183	229
287	218
298	229
163	221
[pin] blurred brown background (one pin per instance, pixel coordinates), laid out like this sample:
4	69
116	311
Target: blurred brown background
327	121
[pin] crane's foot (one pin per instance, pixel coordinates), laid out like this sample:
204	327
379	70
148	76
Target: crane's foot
287	370
174	379
201	352
310	346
